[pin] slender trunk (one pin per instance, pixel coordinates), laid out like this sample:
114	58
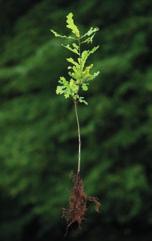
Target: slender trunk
79	137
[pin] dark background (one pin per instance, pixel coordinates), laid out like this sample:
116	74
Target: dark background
38	135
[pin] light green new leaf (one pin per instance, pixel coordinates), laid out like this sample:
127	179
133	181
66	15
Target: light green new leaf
74	50
73	86
71	60
71	25
60	90
83	59
93	50
80	74
75	46
84	87
95	74
67	94
57	34
63	81
89	35
89	39
85	55
82	100
90	32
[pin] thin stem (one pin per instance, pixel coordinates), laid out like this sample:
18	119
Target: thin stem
77	118
79	137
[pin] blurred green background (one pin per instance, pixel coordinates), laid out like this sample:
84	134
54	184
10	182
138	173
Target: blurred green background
38	135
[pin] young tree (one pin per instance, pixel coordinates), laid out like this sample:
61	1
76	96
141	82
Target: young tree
80	77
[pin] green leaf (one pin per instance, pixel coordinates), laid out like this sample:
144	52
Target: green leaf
88	68
71	60
73	86
57	34
93	50
83	59
63	81
71	25
59	90
82	100
75	46
74	50
91	31
67	95
85	55
61	36
90	35
84	87
86	76
89	39
80	75
95	74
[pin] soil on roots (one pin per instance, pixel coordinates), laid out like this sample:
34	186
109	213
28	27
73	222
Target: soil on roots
78	200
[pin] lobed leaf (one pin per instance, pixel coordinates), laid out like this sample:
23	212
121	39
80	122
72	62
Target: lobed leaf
57	34
89	35
93	50
82	100
71	25
71	60
91	31
74	50
80	75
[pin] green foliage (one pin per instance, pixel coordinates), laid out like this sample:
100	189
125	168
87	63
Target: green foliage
71	25
80	75
37	148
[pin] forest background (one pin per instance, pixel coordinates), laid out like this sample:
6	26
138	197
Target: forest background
38	135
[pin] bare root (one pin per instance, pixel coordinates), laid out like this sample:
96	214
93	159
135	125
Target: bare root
76	211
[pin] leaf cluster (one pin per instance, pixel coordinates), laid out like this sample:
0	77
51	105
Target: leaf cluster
79	72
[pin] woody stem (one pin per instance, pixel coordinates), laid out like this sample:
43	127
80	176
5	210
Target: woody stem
79	137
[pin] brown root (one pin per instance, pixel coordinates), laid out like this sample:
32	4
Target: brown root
76	211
